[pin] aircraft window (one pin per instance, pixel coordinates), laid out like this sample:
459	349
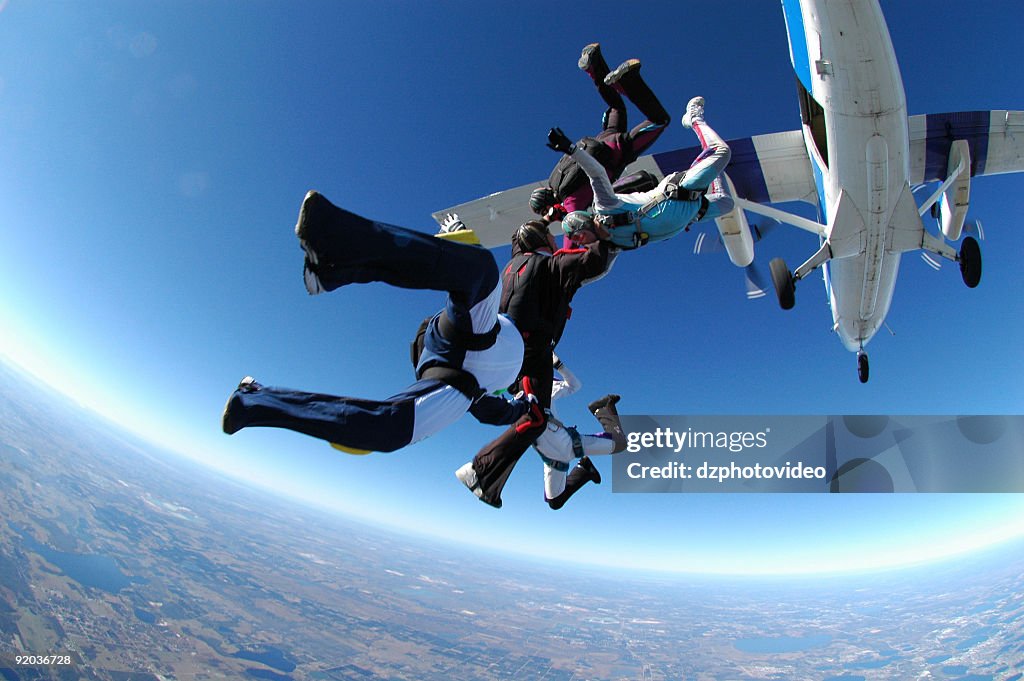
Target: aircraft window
813	116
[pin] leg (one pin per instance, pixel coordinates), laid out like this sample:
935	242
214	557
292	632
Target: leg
556	451
593	64
712	161
583	473
492	465
627	80
718	204
386	425
345	248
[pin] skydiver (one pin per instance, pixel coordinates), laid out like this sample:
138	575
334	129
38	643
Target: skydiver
615	148
681	198
538	284
559	444
467	350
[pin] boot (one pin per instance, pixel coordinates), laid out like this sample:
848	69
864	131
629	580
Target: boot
627	80
580	475
593	64
607	415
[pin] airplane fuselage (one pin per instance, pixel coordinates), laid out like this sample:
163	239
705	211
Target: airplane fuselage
855	128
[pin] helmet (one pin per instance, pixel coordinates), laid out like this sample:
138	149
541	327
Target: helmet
541	199
577	221
531	236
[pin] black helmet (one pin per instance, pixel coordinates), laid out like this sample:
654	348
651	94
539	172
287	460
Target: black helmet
531	236
541	199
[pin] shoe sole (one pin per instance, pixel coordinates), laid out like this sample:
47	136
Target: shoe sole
623	68
300	225
227	424
688	118
587	56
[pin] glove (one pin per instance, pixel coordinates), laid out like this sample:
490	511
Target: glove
559	142
452	223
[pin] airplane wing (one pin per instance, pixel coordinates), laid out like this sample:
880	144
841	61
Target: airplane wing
493	218
770	168
996	140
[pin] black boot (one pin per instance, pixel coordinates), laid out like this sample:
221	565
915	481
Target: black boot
580	475
593	64
607	415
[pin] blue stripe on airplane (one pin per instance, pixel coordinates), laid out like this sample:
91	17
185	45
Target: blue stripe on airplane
943	129
797	42
744	167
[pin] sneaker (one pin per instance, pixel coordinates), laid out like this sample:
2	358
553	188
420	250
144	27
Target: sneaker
467	476
590	53
249	385
602	402
592	473
694	112
302	231
625	67
310	276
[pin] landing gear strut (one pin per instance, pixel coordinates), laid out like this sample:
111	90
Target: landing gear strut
862	366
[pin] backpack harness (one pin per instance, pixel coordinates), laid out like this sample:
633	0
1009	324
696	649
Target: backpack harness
460	379
671	192
577	444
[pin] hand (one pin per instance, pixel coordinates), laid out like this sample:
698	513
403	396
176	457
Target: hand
555	213
452	223
559	142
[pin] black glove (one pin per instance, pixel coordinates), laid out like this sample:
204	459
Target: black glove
559	142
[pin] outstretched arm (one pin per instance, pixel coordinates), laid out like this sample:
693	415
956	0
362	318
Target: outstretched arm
604	193
569	383
498	411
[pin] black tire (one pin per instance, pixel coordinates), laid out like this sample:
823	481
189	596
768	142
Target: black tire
862	367
782	279
970	261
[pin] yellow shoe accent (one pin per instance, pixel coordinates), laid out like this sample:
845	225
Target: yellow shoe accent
463	236
351	450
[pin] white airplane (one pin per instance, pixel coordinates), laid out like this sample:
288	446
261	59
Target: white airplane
858	158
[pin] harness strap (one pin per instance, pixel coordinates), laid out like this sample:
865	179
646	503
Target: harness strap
577	441
470	341
461	380
702	211
617	219
561	466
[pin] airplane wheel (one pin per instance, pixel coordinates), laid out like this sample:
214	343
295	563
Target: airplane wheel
782	278
970	261
862	366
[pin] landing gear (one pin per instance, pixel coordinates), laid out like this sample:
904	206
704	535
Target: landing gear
970	261
782	279
862	366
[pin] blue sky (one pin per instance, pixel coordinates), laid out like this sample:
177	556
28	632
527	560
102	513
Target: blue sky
155	155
